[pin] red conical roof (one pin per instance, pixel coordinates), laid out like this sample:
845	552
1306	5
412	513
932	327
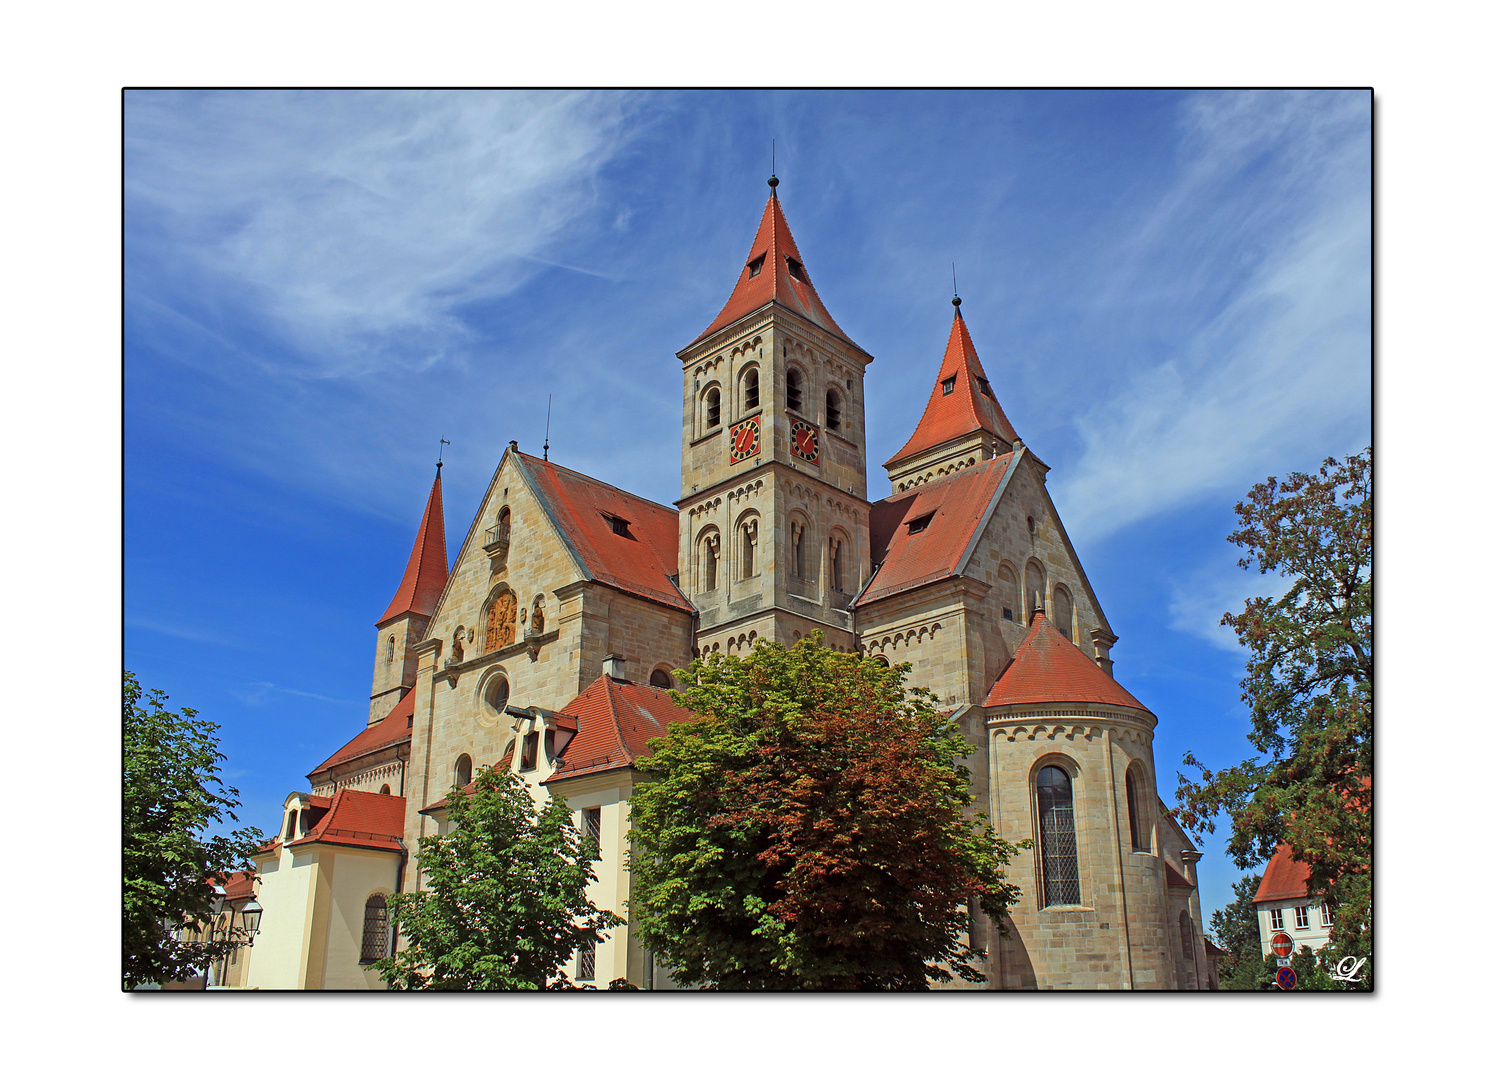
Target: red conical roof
1048	668
426	572
781	277
969	407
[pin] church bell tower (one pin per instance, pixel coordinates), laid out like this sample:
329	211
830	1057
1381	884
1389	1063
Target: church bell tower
773	508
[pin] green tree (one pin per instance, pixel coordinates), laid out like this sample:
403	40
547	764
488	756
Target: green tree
1308	684
172	796
505	904
1235	929
807	829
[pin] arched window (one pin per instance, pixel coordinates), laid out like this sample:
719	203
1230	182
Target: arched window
709	558
1007	592
792	390
501	529
462	772
880	659
1033	589
748	540
833	410
376	930
799	564
661	678
1134	822
500	631
384	789
1187	934
389	650
1064	610
836	564
750	389
713	407
1057	851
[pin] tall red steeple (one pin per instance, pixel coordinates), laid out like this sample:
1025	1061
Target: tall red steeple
961	408
426	572
774	273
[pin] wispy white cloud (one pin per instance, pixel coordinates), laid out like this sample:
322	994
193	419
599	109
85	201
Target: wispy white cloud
259	693
1199	597
1279	375
177	630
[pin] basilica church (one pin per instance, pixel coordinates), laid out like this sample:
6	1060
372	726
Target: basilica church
548	647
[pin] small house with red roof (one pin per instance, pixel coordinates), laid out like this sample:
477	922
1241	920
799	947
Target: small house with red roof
1285	905
547	645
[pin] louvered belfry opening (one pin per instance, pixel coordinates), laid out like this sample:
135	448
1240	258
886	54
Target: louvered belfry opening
1057	851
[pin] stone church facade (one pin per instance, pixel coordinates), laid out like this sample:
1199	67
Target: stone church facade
547	647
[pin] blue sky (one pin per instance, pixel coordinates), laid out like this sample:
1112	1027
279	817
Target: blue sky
1170	293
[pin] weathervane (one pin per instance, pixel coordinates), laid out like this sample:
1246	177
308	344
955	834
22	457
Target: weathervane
773	165
955	295
440	451
545	451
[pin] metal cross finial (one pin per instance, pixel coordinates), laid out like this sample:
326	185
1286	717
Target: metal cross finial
440	453
955	295
773	164
545	451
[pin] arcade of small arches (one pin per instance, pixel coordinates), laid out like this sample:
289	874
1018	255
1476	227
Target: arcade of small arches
903	640
935	474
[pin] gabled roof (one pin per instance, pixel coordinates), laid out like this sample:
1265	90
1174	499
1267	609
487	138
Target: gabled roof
615	721
776	280
971	405
1284	879
641	562
426	571
1047	667
360	819
393	730
959	505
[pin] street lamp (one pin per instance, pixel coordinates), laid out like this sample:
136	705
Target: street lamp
251	913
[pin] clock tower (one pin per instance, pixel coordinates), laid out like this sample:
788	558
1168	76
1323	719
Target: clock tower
773	508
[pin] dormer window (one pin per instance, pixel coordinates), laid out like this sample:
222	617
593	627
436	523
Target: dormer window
948	386
796	270
919	524
985	386
620	526
756	267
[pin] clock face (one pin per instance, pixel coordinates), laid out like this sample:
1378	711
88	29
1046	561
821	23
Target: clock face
745	440
805	441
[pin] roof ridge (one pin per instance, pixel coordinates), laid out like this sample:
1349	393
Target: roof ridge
603	483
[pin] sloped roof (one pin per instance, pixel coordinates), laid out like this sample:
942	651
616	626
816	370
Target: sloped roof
642	562
393	730
1047	667
1284	879
1175	879
959	503
615	721
426	571
966	409
775	281
360	819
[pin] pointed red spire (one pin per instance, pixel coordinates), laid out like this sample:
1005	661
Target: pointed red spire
967	407
426	572
774	272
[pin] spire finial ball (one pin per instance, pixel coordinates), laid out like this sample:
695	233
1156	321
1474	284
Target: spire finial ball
773	182
956	302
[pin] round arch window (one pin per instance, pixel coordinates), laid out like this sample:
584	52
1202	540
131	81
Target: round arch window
496	694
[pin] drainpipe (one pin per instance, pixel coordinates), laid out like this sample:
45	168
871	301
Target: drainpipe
1111	802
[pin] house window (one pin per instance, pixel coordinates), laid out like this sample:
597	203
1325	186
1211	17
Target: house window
462	773
592	826
833	411
1057	850
587	962
376	930
750	389
1301	918
1324	916
919	524
530	751
713	408
792	390
290	825
1275	918
948	386
389	650
756	267
1133	824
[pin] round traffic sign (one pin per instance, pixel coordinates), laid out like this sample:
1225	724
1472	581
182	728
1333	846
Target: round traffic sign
1286	978
1282	944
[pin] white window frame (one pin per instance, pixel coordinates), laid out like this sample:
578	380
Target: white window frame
1301	917
1275	918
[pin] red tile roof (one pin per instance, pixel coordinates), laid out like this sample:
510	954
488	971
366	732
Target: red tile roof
1175	879
615	721
393	730
360	819
959	503
1047	667
966	409
426	572
239	885
775	281
1284	879
642	562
